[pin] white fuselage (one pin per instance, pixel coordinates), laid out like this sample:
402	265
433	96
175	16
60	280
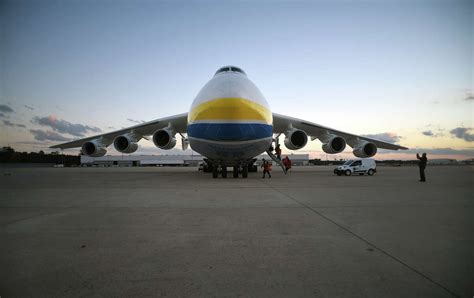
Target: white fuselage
230	121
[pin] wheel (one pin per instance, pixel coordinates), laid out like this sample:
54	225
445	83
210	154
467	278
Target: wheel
347	172
215	171
236	172
371	172
224	172
245	171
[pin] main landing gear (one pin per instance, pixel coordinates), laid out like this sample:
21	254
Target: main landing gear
236	170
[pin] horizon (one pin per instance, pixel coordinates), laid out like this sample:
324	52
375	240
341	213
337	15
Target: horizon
71	70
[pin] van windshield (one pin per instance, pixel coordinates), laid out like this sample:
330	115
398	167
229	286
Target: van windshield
348	162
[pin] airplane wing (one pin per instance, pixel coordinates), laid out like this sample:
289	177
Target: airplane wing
281	123
177	122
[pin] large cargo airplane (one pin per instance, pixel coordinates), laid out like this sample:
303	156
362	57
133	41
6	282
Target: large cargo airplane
229	123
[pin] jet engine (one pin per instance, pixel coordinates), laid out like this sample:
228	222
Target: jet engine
333	144
126	143
93	149
295	139
365	149
164	138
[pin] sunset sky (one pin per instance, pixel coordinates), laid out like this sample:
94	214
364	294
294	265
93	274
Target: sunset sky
400	71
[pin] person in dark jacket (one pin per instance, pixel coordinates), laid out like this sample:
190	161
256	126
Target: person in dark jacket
278	151
422	165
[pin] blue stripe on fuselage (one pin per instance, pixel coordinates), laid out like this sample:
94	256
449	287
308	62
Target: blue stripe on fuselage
230	131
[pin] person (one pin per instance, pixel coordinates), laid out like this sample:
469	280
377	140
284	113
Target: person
278	151
266	168
287	164
422	165
270	149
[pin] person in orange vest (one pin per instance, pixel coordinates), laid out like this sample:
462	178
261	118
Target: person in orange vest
278	151
266	168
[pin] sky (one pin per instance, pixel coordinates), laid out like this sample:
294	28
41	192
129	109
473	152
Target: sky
400	71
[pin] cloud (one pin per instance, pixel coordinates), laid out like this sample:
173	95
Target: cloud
430	133
42	135
463	133
63	126
435	102
136	121
2	115
390	137
469	95
8	123
29	107
6	109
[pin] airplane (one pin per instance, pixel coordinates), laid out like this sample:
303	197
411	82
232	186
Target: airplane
229	123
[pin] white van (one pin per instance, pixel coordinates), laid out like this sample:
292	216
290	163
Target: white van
357	166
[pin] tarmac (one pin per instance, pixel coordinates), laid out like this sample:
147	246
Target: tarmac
90	232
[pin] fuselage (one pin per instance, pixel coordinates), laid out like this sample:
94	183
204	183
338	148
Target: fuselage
229	120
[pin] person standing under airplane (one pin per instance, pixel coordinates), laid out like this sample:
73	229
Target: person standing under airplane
422	165
266	168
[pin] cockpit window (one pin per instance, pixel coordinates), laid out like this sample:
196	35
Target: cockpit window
230	68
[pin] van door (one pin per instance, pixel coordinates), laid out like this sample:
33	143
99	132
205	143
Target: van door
356	166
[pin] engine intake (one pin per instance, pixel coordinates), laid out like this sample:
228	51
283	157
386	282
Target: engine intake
125	144
164	138
296	139
93	149
365	149
334	144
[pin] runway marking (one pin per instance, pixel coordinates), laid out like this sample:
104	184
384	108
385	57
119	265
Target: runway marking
364	240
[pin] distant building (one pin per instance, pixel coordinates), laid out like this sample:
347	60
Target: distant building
296	159
169	160
141	160
442	161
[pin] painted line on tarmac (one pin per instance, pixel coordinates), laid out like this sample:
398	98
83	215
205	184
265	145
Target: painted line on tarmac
365	240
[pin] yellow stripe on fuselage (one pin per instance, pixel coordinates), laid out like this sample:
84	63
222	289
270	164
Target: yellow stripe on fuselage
230	109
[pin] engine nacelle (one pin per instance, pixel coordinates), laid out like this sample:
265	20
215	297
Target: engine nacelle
93	149
295	139
365	149
334	144
125	144
164	138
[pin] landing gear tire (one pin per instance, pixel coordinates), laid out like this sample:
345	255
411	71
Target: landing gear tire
245	171
224	172
347	173
371	172
215	171
236	172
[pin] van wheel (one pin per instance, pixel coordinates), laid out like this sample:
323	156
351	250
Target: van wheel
347	172
371	172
